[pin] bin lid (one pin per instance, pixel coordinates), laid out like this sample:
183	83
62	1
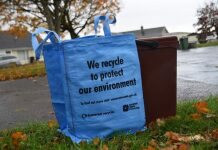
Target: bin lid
161	42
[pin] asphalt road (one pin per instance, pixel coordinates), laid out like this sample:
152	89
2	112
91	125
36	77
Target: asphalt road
28	100
197	73
23	101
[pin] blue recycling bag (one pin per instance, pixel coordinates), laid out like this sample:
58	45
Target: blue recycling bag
95	82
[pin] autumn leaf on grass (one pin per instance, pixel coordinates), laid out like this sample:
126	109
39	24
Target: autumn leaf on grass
203	110
202	107
183	147
188	139
175	137
210	116
149	148
96	141
18	137
196	116
153	143
105	147
201	104
172	147
52	123
214	134
172	136
1	139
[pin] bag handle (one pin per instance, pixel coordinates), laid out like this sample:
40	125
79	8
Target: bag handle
37	47
106	21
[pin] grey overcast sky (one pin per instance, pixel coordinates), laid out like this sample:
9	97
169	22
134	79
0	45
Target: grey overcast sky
175	15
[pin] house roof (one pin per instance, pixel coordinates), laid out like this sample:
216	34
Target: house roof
8	41
146	33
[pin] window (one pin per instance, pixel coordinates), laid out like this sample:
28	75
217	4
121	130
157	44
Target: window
8	57
8	52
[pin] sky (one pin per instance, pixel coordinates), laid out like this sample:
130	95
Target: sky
175	15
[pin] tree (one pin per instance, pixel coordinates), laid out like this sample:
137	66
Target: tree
207	20
74	16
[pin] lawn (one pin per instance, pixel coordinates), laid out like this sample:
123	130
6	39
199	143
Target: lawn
208	44
23	71
195	127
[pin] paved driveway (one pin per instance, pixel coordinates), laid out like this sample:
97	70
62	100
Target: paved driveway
28	100
197	73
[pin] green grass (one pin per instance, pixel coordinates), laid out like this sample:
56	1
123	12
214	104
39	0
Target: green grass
23	71
208	44
40	136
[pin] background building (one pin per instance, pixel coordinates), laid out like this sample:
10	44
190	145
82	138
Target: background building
19	47
147	33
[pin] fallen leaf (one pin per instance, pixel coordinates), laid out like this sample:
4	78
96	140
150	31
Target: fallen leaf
203	110
173	147
18	137
2	139
183	147
96	141
202	107
211	116
175	137
197	137
160	122
52	123
105	147
172	136
196	116
15	143
201	104
188	139
153	142
149	148
214	134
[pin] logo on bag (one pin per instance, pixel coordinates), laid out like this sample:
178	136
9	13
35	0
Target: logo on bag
128	107
125	108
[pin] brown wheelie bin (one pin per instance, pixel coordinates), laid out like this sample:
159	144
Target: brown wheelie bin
158	60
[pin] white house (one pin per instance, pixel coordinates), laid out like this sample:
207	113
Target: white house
20	47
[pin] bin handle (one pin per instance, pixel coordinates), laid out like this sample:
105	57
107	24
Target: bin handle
152	44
